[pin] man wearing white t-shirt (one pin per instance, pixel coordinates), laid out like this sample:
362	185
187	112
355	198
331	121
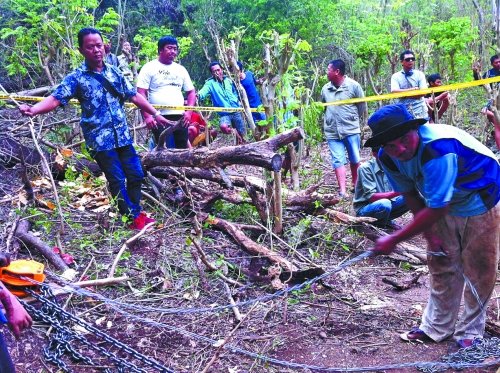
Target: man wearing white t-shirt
162	82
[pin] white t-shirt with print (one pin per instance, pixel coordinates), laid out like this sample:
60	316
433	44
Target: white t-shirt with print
165	84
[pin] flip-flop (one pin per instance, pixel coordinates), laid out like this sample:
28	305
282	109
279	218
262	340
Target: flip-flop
415	335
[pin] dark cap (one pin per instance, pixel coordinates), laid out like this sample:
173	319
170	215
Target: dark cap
389	123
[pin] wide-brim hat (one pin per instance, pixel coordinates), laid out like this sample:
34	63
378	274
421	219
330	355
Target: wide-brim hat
389	123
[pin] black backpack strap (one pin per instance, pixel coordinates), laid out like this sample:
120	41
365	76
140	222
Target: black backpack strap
109	87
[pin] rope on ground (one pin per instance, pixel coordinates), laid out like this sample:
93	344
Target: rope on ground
491	346
264	298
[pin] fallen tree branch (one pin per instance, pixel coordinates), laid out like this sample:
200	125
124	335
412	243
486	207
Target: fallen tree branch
31	241
236	311
248	244
112	270
261	154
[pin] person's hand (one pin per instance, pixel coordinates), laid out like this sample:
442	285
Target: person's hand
26	110
187	118
161	121
150	122
384	245
476	66
17	317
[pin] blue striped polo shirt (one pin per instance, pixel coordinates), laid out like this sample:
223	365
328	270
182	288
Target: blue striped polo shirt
450	168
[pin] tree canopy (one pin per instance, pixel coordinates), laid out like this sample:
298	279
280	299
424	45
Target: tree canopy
38	37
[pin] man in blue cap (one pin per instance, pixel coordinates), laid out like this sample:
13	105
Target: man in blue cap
451	183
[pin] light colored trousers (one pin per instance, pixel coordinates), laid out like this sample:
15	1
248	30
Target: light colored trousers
472	245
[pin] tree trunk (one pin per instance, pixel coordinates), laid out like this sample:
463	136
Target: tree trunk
31	241
277	204
261	154
247	244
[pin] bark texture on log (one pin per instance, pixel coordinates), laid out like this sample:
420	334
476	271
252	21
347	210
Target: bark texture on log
31	241
247	243
261	154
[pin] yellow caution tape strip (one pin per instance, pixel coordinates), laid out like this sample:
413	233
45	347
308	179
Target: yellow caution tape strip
388	96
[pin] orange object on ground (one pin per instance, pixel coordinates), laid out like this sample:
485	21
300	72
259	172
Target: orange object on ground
12	275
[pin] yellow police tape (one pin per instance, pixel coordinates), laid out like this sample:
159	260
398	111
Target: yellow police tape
388	96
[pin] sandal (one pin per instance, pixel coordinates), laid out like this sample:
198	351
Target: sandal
415	335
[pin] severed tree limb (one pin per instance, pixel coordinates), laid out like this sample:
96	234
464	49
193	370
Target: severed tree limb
277	203
101	282
236	311
247	244
31	241
308	199
261	154
196	240
258	202
132	239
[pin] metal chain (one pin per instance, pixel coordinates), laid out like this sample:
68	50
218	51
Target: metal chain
467	357
53	314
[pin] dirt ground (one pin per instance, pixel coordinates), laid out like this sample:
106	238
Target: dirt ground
350	320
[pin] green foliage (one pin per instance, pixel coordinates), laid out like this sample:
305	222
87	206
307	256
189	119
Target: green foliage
451	39
44	33
147	39
242	213
313	123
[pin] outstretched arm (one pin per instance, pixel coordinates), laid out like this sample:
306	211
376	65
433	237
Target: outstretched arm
423	220
44	106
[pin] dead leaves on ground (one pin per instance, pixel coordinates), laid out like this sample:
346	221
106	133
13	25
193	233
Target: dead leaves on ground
83	195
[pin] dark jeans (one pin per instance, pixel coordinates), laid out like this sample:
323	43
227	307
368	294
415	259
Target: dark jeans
6	364
178	139
123	170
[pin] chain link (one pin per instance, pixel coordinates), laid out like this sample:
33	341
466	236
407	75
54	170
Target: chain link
60	344
467	357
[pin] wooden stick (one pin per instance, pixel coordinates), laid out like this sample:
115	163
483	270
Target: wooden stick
226	340
125	245
101	282
30	240
235	309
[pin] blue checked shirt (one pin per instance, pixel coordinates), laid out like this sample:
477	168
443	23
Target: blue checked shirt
103	119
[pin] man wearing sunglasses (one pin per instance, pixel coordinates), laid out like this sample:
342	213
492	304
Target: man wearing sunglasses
409	79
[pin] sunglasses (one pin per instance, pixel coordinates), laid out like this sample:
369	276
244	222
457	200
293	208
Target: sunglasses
410	59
